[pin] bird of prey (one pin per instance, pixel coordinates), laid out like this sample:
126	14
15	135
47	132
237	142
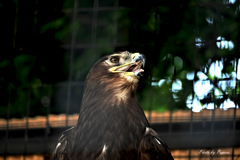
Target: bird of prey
111	123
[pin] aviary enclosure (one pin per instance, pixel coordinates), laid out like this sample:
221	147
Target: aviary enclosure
189	91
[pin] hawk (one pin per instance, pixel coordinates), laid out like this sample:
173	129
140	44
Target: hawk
111	123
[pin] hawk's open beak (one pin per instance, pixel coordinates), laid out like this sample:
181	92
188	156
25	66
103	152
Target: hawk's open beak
133	68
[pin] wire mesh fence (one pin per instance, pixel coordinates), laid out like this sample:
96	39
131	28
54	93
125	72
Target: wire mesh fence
192	86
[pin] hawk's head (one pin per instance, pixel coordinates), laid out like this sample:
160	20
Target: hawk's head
122	65
126	64
115	74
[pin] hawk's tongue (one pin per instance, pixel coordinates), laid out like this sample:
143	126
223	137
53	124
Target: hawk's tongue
139	70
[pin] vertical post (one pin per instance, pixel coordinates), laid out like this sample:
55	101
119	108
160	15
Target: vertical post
15	25
115	22
237	47
213	112
156	32
150	99
237	72
236	96
189	154
213	117
172	103
194	68
170	116
71	59
47	129
191	122
94	29
7	127
48	108
26	129
216	54
94	23
233	153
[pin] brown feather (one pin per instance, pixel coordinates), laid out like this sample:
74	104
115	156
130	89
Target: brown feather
111	123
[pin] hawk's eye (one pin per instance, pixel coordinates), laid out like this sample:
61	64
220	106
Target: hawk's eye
114	59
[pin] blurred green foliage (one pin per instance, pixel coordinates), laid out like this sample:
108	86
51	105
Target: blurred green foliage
36	48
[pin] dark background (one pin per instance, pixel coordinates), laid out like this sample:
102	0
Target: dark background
48	47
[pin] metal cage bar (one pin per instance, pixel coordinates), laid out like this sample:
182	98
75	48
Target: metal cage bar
93	44
71	58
